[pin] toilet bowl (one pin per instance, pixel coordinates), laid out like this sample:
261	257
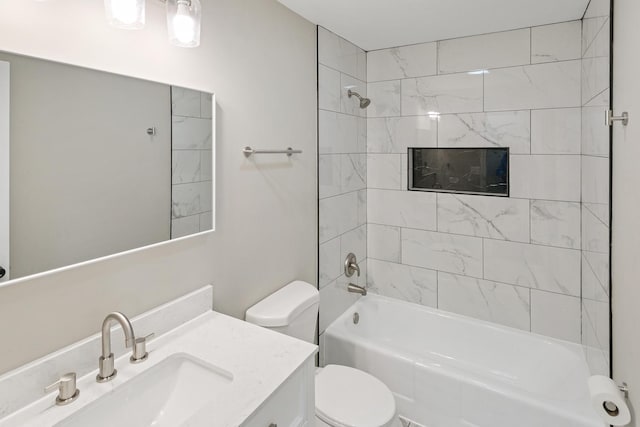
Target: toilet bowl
345	396
349	397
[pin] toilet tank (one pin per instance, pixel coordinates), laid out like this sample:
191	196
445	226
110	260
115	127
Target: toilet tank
292	310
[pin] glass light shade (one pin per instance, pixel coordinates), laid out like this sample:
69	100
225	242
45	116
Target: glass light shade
183	22
127	14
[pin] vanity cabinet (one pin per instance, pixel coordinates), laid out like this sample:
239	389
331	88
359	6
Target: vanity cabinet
293	403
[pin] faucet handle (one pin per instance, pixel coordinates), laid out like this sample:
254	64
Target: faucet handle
351	265
140	353
67	390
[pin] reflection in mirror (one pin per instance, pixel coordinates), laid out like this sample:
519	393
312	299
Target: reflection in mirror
99	164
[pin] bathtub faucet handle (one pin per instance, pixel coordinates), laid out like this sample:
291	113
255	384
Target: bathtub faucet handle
351	265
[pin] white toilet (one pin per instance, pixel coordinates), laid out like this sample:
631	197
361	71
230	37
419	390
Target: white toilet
345	397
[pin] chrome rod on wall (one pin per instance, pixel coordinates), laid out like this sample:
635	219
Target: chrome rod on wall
248	151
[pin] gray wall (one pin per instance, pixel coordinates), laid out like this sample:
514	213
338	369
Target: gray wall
260	61
80	159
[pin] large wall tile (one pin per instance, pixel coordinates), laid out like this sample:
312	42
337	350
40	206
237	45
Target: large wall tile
385	99
595	233
206	221
412	284
600	210
384	171
206	165
185	226
442	252
592	288
337	53
556	131
557	42
595	78
186	166
485	51
599	264
552	85
482	299
541	267
555	315
185	102
598	8
503	129
454	93
395	134
484	216
337	133
337	215
545	177
402	62
555	223
190	199
354	172
597	314
329	175
328	89
383	243
361	70
592	28
597	355
355	242
595	132
329	266
190	133
595	179
600	100
600	45
362	206
412	209
352	105
334	300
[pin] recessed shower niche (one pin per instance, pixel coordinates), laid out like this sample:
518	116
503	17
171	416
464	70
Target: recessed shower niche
460	170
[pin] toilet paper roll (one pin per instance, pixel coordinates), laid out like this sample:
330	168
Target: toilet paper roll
609	401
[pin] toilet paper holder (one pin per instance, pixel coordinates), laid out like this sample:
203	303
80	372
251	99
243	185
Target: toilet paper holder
624	388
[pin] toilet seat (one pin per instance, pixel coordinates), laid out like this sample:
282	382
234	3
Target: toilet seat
347	397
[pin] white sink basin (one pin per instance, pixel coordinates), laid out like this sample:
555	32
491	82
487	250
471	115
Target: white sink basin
167	394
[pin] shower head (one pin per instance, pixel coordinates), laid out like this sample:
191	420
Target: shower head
364	102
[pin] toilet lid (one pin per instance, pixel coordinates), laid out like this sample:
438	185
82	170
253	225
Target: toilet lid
347	397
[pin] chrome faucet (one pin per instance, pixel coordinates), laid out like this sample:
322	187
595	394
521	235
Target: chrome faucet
355	289
107	370
351	266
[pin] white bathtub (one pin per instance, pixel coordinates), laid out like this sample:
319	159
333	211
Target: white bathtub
448	370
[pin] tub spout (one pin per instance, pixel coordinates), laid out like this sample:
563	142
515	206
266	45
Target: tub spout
356	289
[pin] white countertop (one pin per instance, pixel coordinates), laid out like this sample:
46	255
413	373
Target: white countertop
259	359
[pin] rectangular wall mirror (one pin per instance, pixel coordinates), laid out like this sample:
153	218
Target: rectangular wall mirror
93	164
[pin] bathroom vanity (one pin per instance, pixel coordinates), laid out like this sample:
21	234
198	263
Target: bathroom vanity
203	369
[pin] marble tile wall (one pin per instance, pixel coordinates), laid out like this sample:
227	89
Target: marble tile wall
342	169
191	171
595	45
516	261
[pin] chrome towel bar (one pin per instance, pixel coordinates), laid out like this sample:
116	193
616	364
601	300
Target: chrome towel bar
248	151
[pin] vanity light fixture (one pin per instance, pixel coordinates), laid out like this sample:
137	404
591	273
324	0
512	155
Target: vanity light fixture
183	22
183	18
126	14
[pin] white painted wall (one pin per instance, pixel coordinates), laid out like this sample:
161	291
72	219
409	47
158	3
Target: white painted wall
5	72
625	292
260	61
